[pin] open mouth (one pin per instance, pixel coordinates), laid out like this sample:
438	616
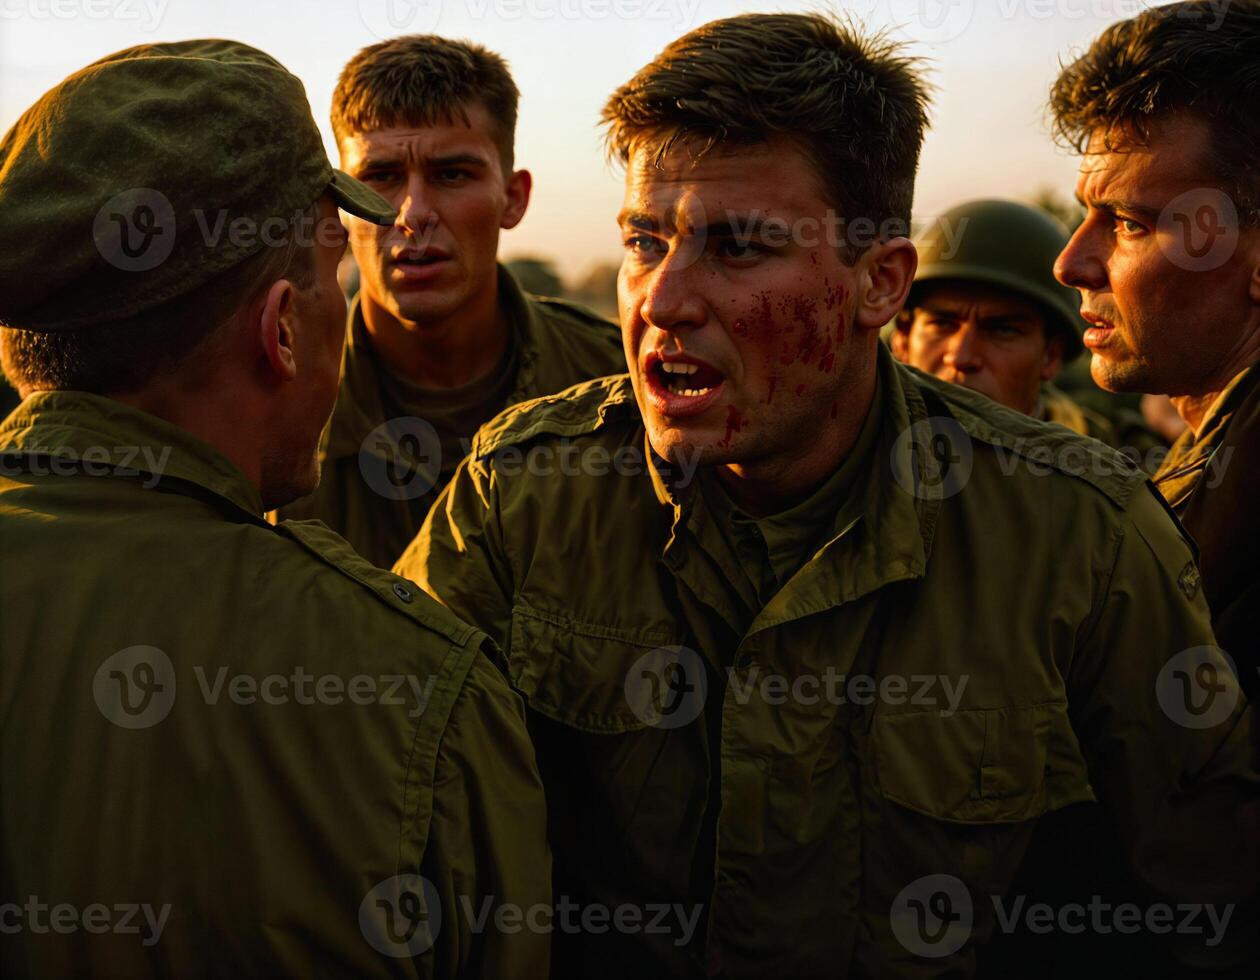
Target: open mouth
687	378
681	385
1098	332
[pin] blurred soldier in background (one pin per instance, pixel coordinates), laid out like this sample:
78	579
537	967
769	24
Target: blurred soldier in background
986	312
296	763
1165	108
441	337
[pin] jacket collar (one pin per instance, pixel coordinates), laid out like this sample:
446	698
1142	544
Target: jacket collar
882	533
359	408
102	435
1191	452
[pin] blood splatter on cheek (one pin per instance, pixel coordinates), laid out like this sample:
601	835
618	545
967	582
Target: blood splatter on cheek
833	302
734	422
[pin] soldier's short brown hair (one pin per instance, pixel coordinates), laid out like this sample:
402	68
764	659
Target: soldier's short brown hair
852	103
125	355
1190	57
420	80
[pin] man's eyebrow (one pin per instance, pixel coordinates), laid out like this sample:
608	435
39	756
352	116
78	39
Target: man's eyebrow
637	219
732	226
941	311
736	226
388	159
456	160
1115	205
1008	318
379	160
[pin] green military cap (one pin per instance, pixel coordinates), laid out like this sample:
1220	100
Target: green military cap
147	173
1004	244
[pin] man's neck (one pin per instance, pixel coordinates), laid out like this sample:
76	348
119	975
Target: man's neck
1194	407
447	353
775	484
219	416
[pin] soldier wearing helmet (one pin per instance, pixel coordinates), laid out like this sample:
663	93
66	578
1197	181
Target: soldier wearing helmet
986	312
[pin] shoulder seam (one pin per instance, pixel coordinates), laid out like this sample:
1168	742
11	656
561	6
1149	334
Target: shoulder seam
1038	442
457	632
581	409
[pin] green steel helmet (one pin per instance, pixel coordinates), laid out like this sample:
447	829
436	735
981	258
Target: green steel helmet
1006	244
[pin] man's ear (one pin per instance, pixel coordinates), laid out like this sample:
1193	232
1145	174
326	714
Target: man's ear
1052	359
519	186
884	283
276	326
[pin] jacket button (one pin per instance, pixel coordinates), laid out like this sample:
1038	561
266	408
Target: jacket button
402	592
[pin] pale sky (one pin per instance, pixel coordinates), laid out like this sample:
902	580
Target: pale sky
992	62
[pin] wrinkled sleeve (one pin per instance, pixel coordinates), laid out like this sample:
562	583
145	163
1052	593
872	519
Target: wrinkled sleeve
487	853
458	557
1170	762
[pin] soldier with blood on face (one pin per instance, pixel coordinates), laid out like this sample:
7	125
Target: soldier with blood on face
722	639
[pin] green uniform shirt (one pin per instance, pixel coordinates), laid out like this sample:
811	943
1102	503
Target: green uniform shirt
1013	592
1212	481
756	556
244	728
377	502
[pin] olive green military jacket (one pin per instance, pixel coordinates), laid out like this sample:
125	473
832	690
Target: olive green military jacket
558	344
1212	481
1032	573
233	749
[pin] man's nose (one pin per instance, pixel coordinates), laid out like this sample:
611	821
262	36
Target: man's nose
416	214
965	350
1081	264
671	299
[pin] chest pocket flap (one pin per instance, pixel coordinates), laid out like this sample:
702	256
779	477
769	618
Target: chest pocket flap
1000	765
576	673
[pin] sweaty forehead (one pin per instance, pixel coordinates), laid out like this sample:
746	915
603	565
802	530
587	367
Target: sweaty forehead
1175	158
774	180
419	143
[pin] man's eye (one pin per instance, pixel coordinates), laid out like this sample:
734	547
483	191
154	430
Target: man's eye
453	175
644	244
732	249
1130	227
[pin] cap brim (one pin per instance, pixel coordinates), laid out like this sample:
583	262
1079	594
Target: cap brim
360	200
